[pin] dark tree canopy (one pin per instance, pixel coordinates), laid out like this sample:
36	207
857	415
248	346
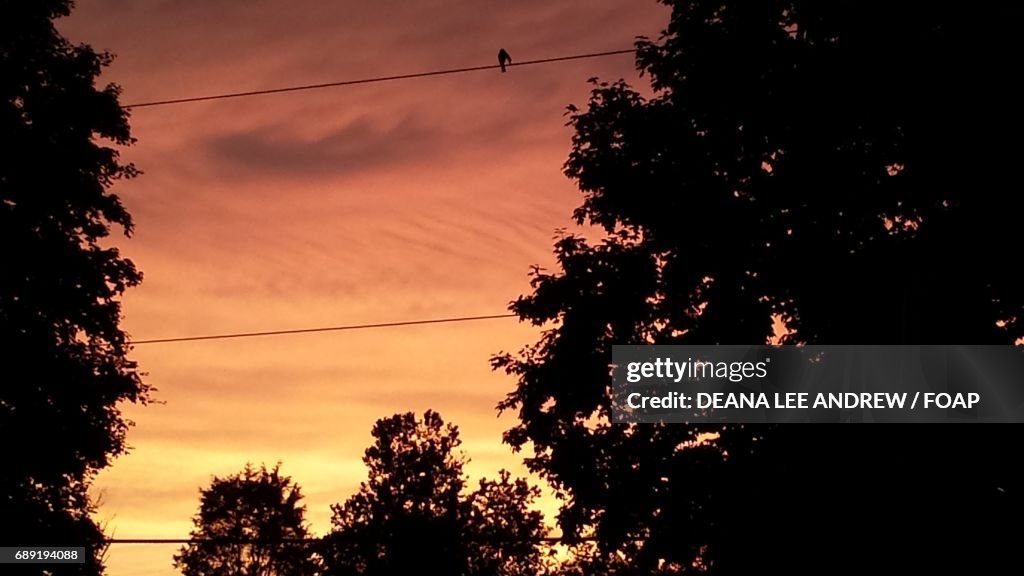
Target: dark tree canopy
842	167
63	354
250	524
413	516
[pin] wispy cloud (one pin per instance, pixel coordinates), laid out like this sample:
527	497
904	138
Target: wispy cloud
361	145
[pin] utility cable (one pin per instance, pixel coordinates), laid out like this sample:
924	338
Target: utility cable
320	329
372	80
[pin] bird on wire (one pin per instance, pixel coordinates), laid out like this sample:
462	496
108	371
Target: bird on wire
503	59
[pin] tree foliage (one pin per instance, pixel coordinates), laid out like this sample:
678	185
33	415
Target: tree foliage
835	166
250	524
64	356
413	515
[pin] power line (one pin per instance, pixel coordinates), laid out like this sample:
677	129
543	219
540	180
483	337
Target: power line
373	80
320	329
227	541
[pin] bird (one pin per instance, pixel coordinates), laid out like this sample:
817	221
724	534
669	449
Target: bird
503	59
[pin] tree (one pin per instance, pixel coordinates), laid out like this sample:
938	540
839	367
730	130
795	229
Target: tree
64	356
833	166
411	515
249	524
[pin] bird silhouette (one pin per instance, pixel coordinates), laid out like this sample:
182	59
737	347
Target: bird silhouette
503	59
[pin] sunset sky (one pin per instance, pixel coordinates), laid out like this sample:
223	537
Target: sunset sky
394	201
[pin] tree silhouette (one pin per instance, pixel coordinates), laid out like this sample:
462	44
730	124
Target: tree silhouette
63	354
587	559
834	166
411	515
249	524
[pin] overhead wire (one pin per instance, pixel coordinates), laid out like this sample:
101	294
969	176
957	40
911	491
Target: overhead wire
226	541
340	83
319	329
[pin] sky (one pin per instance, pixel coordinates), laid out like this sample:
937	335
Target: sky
394	201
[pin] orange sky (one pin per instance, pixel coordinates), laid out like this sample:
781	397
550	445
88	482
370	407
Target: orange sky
385	202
